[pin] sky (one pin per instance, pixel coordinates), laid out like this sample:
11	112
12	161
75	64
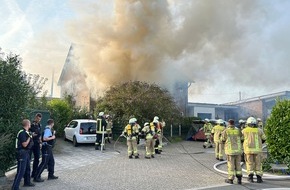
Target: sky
227	47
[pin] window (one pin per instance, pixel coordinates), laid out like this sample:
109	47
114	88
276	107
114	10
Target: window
73	124
88	128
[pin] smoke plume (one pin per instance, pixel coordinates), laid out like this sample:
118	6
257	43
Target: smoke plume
228	43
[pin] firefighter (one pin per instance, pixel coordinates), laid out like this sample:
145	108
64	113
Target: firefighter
148	132
260	124
242	124
207	127
231	136
109	128
101	128
219	146
253	139
139	129
157	125
131	132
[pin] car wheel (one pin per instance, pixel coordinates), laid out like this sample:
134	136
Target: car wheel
75	142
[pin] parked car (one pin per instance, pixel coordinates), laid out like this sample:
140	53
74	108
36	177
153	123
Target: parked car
81	131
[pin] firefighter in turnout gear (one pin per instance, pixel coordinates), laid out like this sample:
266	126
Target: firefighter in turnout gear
207	127
260	124
139	129
109	128
219	146
158	126
131	132
231	136
148	132
253	139
101	130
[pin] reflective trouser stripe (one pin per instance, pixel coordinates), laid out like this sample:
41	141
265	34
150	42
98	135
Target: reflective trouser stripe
132	147
253	164
234	166
219	149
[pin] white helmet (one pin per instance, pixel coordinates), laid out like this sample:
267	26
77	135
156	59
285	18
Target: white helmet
101	113
241	121
156	118
251	121
259	119
206	120
155	121
145	124
132	120
220	121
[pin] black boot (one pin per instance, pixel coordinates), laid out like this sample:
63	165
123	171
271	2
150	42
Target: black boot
259	179
239	179
251	178
230	181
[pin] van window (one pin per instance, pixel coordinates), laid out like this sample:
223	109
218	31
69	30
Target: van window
88	128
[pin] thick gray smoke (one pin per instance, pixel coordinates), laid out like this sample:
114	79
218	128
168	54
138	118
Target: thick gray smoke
231	44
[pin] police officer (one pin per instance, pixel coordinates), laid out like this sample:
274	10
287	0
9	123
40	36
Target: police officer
101	130
231	136
23	144
48	139
219	146
131	131
253	138
207	127
36	134
149	131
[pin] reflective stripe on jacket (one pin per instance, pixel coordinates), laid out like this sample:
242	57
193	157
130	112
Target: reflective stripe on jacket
253	140
232	138
217	130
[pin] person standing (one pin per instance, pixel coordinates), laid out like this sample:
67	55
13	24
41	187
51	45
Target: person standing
253	139
48	139
109	128
131	131
219	146
260	124
231	136
23	145
207	127
149	131
101	130
36	136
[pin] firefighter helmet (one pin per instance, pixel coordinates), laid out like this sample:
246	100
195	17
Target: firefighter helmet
220	121
241	121
132	121
259	119
251	121
206	120
146	124
156	118
101	113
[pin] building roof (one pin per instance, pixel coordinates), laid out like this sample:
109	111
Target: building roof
65	66
272	96
212	105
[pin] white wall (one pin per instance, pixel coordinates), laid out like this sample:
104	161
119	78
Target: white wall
204	110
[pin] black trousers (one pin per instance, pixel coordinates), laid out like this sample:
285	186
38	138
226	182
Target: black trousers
23	168
47	159
36	155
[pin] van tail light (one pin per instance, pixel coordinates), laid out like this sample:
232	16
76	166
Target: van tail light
81	131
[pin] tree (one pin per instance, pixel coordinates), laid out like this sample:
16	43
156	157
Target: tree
278	131
61	112
138	99
17	96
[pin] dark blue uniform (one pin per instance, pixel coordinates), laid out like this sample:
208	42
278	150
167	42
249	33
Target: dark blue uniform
36	129
47	156
23	159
